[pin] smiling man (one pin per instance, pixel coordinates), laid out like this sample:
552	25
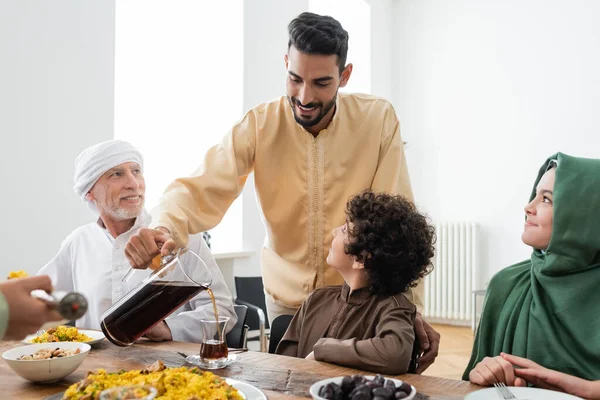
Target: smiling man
91	260
310	151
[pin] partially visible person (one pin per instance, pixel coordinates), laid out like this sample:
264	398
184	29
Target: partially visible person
109	179
383	249
20	313
545	308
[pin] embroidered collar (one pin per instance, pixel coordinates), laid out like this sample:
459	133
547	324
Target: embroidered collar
357	297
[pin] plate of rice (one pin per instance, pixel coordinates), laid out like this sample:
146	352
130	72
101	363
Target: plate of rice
66	334
181	383
17	274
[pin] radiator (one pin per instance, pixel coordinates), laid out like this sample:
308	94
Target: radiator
449	287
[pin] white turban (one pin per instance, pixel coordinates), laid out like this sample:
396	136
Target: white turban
94	161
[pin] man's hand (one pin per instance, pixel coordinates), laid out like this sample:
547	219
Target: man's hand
147	244
27	314
495	370
429	341
548	379
160	332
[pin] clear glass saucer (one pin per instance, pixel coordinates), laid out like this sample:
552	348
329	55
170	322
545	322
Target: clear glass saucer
195	359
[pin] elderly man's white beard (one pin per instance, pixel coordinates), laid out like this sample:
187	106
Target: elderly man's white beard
120	214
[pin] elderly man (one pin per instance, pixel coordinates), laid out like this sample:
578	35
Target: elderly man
91	260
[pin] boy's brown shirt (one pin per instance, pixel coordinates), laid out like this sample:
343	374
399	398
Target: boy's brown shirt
359	330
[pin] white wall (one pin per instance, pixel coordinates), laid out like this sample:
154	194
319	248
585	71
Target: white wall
56	97
382	47
485	91
265	43
178	81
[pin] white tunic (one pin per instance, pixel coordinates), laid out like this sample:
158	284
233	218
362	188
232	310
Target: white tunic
90	261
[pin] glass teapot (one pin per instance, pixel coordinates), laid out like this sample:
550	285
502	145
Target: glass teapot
181	276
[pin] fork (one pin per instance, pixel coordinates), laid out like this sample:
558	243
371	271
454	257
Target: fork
40	332
504	392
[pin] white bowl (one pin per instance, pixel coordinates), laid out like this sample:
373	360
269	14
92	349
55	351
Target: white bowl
45	370
314	389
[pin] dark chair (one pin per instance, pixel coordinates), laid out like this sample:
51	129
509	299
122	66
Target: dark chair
250	289
414	359
206	237
250	292
278	328
237	336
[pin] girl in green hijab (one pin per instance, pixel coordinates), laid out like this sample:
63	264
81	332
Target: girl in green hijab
545	309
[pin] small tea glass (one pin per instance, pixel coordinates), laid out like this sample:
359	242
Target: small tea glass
213	348
132	392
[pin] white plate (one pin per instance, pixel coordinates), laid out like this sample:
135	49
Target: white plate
97	336
194	359
248	391
314	389
521	393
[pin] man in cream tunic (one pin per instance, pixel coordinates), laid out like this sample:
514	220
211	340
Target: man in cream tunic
91	260
310	151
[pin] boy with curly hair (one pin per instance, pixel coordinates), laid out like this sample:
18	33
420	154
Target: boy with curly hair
383	249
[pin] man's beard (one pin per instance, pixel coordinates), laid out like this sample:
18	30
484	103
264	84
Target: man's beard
324	110
121	214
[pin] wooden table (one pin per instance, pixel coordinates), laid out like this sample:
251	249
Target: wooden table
279	377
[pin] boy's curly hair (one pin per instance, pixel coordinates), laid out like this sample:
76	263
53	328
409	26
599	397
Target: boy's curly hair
391	238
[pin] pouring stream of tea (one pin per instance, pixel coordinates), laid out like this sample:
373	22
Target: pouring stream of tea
214	303
210	348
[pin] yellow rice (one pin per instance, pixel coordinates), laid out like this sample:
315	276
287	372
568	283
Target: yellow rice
171	383
61	334
17	274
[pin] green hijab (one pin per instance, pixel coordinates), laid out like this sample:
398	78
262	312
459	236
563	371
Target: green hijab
547	309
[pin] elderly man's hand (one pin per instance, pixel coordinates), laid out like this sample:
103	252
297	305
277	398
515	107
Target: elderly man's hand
429	340
147	244
160	332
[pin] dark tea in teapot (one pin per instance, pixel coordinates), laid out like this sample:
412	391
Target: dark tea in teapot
178	280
